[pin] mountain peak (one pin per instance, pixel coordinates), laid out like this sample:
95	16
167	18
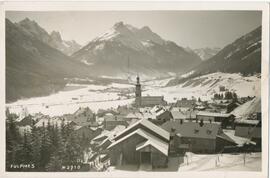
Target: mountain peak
118	25
56	35
146	29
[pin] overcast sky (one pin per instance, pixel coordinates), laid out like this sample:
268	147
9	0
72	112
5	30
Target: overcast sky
194	29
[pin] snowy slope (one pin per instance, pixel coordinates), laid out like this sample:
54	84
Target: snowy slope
243	55
206	53
206	86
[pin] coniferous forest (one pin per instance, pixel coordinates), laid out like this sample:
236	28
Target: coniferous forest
46	148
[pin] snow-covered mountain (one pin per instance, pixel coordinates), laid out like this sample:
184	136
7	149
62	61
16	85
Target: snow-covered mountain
54	39
127	49
206	53
34	68
243	55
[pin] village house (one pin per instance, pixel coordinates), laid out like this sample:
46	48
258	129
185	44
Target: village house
249	129
142	143
111	122
226	120
104	139
223	105
86	131
162	116
84	115
197	137
184	104
26	121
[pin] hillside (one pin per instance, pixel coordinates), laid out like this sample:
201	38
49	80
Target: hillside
206	53
34	68
243	55
206	86
126	49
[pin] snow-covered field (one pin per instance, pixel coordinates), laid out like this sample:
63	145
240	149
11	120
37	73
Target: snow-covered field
116	94
68	101
224	162
207	85
201	162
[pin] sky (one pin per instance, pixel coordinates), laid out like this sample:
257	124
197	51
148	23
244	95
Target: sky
194	29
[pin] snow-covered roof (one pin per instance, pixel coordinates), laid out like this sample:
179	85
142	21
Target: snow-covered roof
250	122
248	108
213	114
154	128
151	140
178	115
193	129
160	145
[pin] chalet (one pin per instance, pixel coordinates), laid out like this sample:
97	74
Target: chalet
197	137
223	105
111	123
249	129
185	104
27	121
84	115
141	143
162	116
103	140
86	131
225	119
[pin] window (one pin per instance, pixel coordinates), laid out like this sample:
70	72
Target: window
209	131
196	131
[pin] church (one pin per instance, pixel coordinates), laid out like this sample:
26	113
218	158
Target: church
146	101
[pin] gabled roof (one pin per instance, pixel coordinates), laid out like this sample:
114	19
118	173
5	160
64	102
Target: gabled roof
193	129
149	125
157	143
163	147
86	110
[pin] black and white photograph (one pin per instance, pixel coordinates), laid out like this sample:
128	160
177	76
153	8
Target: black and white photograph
126	91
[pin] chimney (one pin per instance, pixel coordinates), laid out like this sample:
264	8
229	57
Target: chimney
181	121
201	122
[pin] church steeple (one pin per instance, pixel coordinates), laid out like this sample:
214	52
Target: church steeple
138	92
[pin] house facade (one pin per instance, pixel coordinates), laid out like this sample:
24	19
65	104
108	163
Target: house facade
197	137
226	120
141	143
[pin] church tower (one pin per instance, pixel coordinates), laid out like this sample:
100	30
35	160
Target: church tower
138	92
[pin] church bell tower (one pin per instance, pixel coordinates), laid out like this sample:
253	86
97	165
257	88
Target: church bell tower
138	92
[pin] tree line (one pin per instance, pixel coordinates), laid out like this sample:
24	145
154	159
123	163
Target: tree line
226	95
45	148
